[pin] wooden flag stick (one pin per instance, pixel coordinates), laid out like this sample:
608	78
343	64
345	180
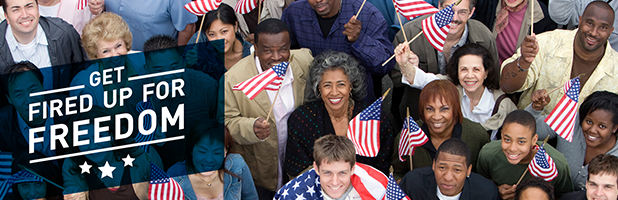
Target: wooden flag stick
556	89
522	176
259	11
532	17
407	43
200	30
385	93
276	95
400	24
355	16
408	115
32	172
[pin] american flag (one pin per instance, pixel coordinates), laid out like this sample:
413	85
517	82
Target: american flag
245	6
411	136
542	165
162	187
414	8
270	79
562	117
436	27
393	191
201	7
81	4
370	184
364	130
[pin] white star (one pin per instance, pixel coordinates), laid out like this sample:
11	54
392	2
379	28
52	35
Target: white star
310	190
300	197
128	160
296	185
308	177
85	167
285	193
107	170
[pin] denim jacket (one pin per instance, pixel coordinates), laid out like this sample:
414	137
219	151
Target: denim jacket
233	188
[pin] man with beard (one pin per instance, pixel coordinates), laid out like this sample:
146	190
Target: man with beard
550	59
463	30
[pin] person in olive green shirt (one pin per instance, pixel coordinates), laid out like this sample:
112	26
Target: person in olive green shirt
504	161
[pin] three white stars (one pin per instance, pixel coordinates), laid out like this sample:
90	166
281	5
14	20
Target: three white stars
107	170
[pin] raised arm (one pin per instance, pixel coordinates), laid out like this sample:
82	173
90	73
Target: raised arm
514	73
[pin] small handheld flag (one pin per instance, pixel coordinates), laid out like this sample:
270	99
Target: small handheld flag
393	191
81	4
162	186
562	117
245	6
542	165
201	7
411	136
414	8
436	27
364	130
270	79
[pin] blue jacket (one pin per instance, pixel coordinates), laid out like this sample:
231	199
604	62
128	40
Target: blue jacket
233	187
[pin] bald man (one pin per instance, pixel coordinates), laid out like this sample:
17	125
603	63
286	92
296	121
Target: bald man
548	60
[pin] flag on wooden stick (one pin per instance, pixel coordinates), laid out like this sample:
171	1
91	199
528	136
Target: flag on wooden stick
562	117
364	130
436	27
270	79
414	8
411	136
542	165
201	7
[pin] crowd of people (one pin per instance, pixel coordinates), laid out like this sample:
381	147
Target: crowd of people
481	100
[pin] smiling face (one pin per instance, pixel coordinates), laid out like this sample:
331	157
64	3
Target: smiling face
517	143
598	129
325	8
219	30
451	172
334	177
595	27
106	49
472	73
602	187
335	89
23	17
32	190
461	16
273	49
439	117
208	155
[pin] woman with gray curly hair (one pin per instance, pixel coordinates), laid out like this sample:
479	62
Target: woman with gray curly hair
333	96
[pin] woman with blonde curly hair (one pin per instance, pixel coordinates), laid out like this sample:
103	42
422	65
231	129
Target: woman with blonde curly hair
107	40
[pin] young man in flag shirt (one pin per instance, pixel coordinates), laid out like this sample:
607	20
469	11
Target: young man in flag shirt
260	142
450	177
504	161
548	60
337	176
462	30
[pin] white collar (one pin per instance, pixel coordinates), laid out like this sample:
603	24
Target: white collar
486	104
39	38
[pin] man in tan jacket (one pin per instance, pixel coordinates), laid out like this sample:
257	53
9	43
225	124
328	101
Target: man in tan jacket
260	142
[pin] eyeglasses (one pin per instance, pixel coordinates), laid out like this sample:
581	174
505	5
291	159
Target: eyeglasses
462	13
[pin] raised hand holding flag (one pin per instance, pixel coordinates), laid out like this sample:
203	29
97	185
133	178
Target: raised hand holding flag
562	117
270	79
